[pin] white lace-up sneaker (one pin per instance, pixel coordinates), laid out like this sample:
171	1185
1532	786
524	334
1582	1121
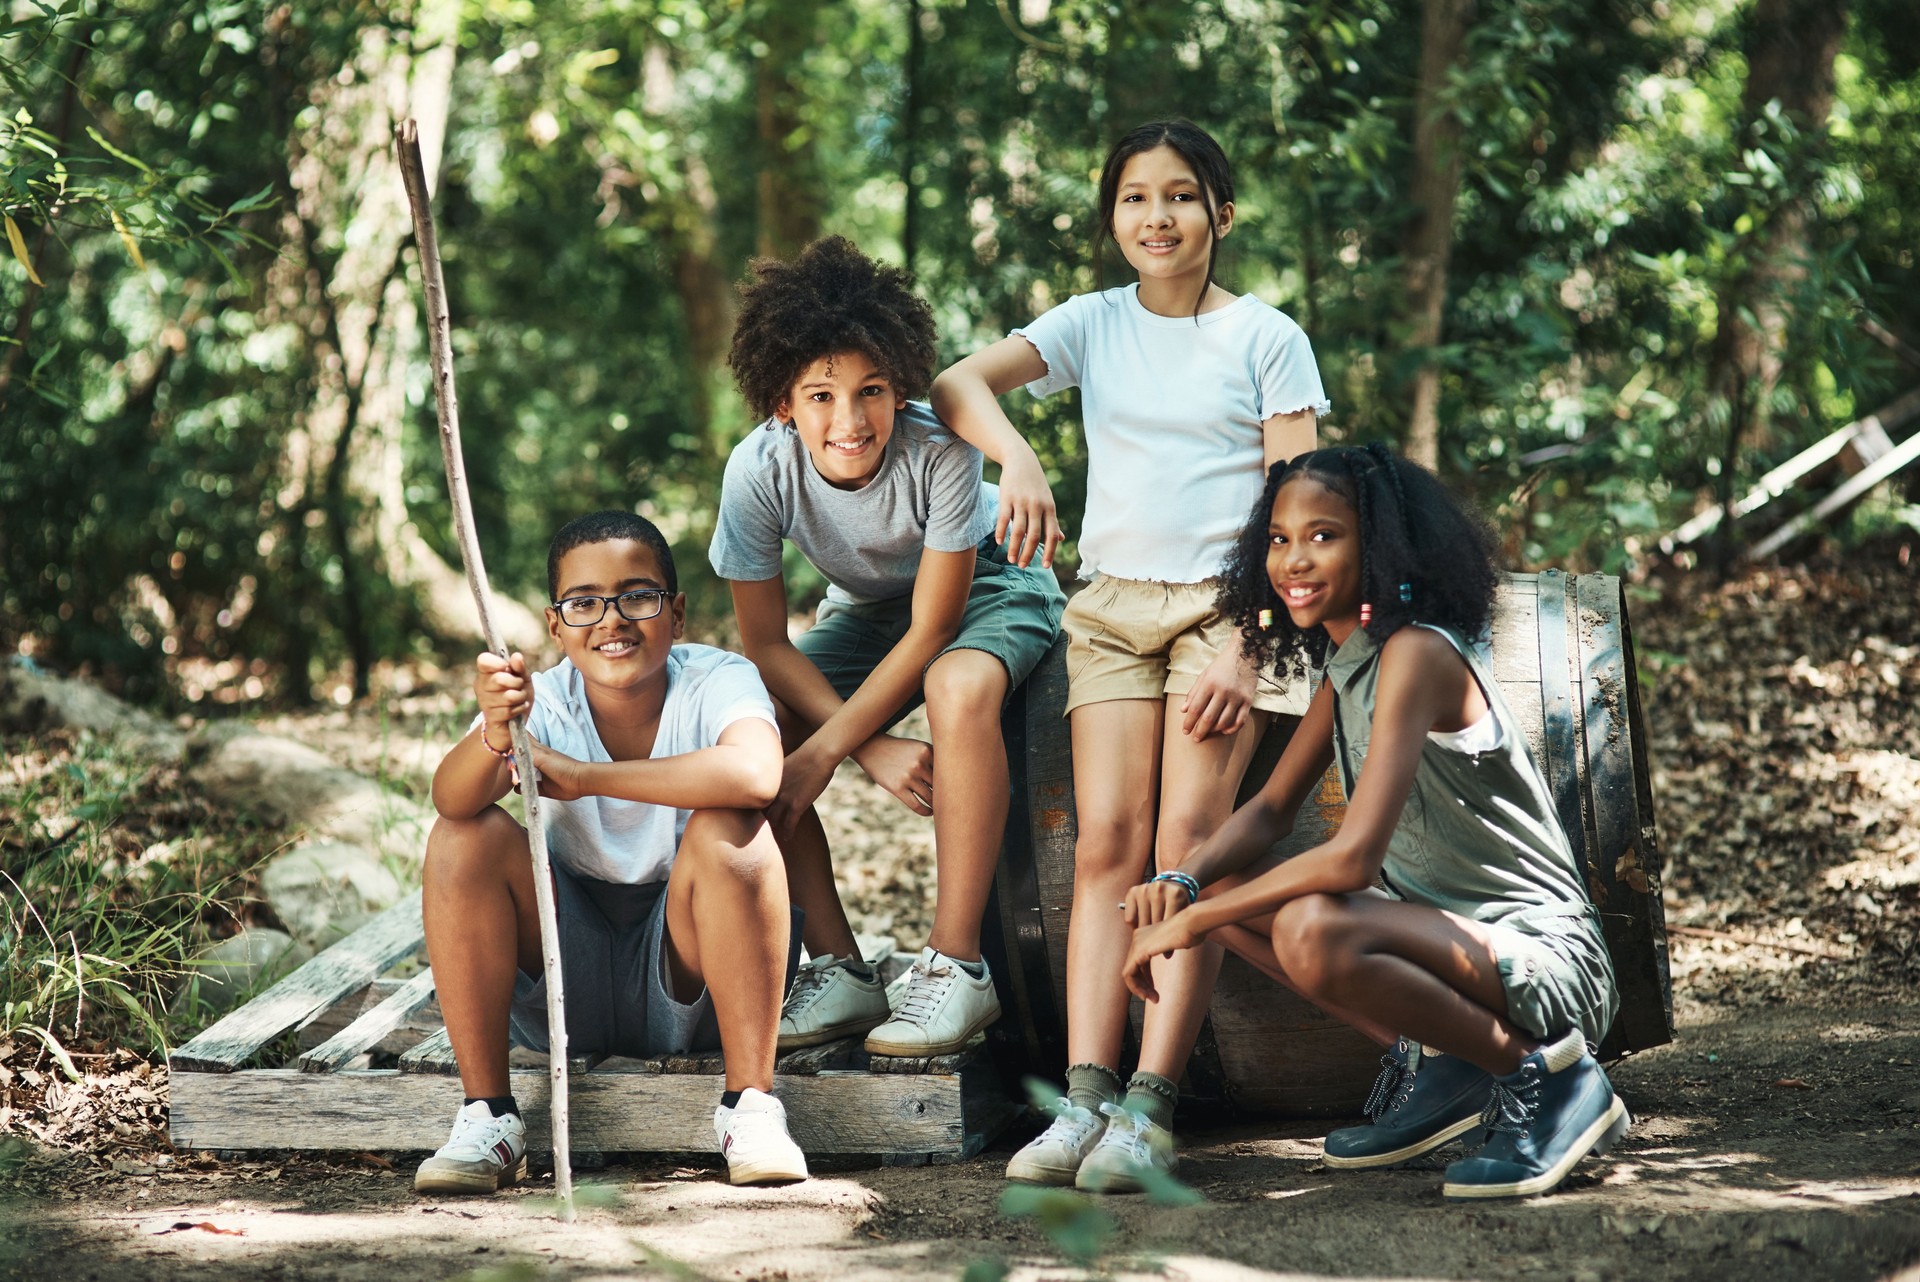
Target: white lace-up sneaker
1130	1144
939	1011
1054	1156
827	1001
753	1138
484	1153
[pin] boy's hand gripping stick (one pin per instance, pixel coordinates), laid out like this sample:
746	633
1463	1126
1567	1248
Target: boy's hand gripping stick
407	143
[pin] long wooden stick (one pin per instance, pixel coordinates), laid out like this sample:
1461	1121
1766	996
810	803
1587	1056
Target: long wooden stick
407	143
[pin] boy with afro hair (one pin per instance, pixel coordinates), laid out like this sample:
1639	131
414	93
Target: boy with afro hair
833	350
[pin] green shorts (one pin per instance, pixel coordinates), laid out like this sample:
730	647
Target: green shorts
1556	972
1012	614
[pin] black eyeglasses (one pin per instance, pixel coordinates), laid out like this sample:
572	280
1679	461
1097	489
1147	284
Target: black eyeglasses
636	607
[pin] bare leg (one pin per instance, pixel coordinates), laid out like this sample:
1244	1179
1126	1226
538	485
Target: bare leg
809	865
965	690
1251	942
1116	776
1420	971
477	899
728	916
1197	786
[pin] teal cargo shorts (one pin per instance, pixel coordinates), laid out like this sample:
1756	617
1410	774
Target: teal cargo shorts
1012	614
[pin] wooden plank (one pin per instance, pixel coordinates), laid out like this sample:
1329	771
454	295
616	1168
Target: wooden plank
383	1109
359	1036
1557	685
808	1060
1623	878
351	1007
348	965
1855	488
433	1056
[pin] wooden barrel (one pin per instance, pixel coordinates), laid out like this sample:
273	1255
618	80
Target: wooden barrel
1563	656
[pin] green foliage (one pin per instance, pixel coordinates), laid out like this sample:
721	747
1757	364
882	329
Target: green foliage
169	514
106	888
1071	1221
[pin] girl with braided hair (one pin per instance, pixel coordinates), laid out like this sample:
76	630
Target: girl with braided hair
1446	918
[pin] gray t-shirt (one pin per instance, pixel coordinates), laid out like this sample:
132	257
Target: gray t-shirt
926	493
610	839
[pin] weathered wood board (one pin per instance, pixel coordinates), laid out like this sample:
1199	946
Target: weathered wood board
839	1100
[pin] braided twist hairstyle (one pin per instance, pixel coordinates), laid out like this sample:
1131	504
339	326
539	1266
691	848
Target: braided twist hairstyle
1423	557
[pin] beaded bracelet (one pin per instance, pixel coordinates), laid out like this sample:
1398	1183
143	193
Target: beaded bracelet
504	756
1182	880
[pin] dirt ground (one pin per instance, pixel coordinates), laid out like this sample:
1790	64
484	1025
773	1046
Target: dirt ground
1778	1135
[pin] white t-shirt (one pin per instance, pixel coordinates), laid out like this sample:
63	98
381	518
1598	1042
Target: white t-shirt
635	841
926	494
1172	407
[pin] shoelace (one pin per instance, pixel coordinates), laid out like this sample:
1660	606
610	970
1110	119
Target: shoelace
476	1134
926	985
1071	1124
1512	1110
1390	1089
809	984
1127	1130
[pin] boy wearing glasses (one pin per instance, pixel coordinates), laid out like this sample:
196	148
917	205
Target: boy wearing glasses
675	927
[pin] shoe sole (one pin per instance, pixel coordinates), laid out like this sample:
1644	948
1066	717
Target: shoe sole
1398	1155
445	1180
765	1173
819	1037
907	1050
1110	1181
1036	1173
1596	1141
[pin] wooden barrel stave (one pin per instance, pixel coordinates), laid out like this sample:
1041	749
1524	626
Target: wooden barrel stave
1562	655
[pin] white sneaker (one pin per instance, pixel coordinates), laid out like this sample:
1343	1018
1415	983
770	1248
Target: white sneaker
753	1138
484	1153
1054	1156
827	1001
939	1011
1130	1144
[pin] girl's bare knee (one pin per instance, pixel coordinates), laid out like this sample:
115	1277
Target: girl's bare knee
1309	939
737	843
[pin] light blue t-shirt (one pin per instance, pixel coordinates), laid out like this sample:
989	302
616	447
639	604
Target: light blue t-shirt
610	839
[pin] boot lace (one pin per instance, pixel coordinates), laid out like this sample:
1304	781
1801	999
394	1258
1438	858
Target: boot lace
1390	1089
1510	1108
1070	1126
1127	1130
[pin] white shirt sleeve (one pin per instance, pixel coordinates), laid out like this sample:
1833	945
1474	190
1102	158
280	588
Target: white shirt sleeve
1288	377
1060	336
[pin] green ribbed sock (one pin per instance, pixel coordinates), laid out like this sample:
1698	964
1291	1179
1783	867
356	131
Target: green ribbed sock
1091	1085
1152	1097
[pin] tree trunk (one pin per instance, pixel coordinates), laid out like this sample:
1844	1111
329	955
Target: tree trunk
1433	193
349	222
790	198
1790	57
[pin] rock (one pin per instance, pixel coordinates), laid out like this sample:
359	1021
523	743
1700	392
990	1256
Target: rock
33	699
324	891
239	965
287	783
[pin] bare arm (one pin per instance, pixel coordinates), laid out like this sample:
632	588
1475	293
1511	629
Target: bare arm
1421	677
469	778
1220	700
966	397
741	771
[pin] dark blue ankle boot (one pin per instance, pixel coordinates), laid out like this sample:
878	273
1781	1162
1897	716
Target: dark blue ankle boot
1546	1115
1419	1102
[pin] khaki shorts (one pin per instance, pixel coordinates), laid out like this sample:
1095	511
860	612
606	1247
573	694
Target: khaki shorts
1133	639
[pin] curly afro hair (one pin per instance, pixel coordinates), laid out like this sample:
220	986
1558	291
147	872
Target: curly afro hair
1424	557
832	298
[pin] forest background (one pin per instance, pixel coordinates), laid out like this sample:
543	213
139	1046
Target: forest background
1601	262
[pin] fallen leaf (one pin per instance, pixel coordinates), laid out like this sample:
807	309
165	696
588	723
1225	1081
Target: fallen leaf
1794	1082
372	1159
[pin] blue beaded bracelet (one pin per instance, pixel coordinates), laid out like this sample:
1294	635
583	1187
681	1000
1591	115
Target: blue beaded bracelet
1182	880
